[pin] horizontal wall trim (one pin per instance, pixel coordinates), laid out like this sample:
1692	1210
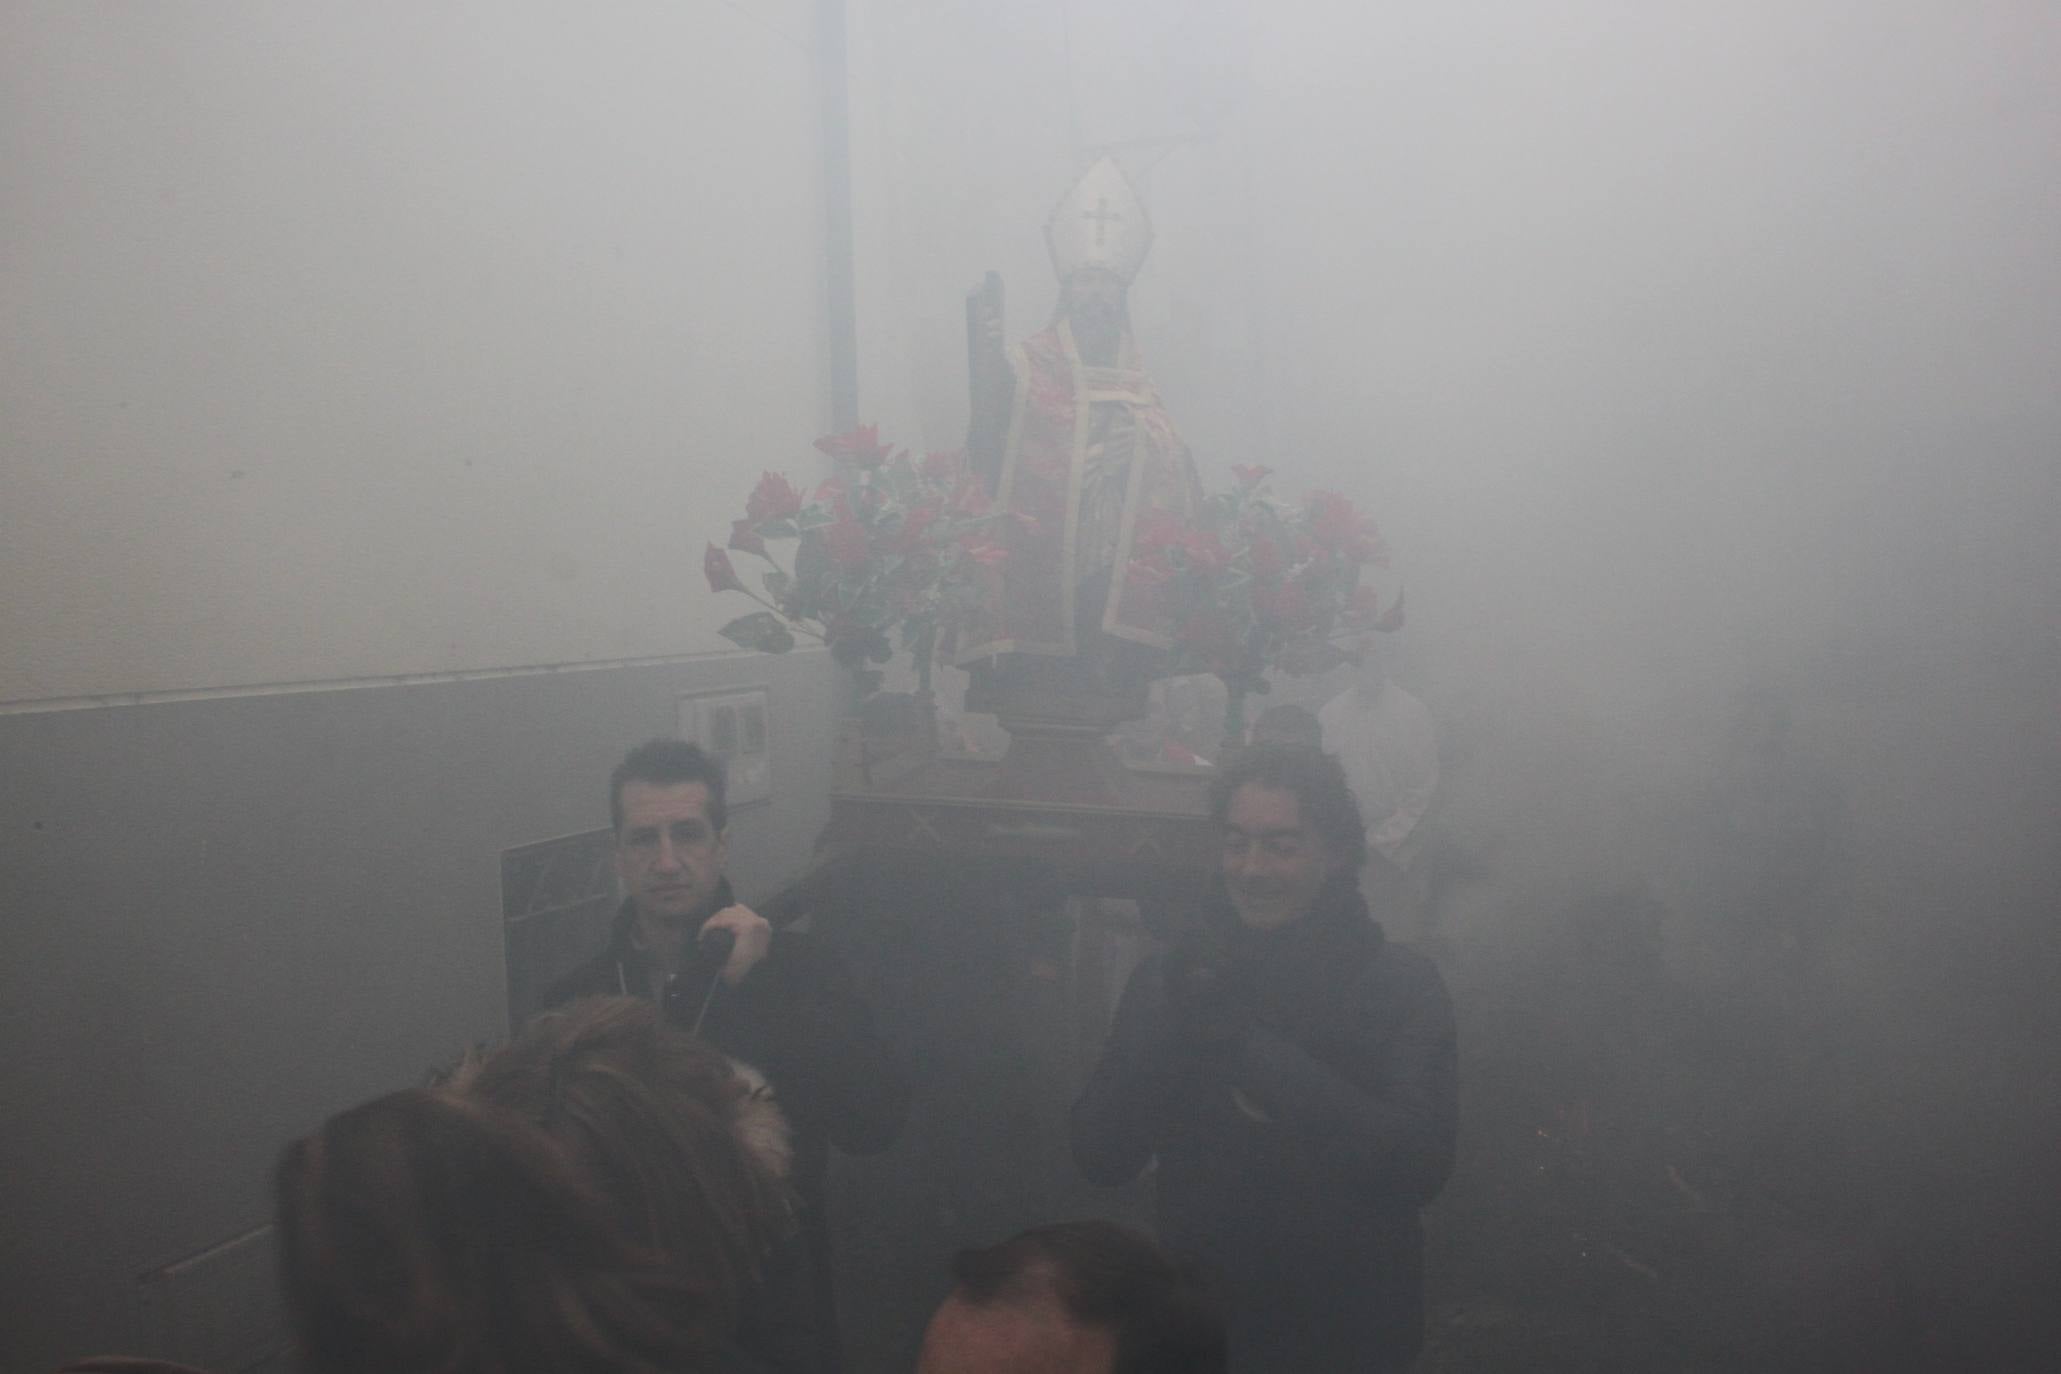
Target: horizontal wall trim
273	689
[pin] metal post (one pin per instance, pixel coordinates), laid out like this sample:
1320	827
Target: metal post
841	306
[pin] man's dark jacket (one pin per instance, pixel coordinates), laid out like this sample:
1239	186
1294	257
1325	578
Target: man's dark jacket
1298	1088
798	1019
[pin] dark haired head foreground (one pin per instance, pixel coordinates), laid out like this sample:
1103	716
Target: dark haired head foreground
604	1192
690	1157
1079	1297
423	1232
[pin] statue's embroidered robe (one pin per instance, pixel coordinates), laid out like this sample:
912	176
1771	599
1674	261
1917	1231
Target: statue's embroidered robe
1090	451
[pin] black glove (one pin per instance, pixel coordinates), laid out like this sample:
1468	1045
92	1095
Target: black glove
1211	1000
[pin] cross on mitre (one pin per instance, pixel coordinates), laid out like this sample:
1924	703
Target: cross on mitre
1100	222
1102	215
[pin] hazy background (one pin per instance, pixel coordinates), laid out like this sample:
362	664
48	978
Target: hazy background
1683	352
1698	360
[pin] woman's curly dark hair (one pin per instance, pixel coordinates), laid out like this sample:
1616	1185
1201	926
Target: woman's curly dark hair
657	1120
1316	781
422	1233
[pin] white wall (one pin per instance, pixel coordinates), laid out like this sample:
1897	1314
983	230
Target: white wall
341	342
345	340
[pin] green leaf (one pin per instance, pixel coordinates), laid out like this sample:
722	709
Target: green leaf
778	585
813	517
777	529
811	563
761	630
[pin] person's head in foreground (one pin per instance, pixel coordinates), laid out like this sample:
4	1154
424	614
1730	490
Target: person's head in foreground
1290	828
424	1232
1079	1297
690	1156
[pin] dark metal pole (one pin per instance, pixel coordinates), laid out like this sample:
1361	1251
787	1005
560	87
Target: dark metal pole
841	306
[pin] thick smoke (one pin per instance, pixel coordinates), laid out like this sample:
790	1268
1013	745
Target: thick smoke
1699	364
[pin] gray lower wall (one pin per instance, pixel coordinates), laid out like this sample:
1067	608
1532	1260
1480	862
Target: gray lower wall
225	919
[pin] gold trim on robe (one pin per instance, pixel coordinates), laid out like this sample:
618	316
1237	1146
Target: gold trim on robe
1089	450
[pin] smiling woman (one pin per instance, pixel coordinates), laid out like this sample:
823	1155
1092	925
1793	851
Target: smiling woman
423	1231
1290	825
1274	862
1336	1048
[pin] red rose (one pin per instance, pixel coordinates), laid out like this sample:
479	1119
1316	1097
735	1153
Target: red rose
774	498
918	520
1205	551
1285	602
721	576
844	539
1332	518
860	446
1156	532
745	539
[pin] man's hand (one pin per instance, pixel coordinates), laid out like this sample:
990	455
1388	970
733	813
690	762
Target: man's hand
754	936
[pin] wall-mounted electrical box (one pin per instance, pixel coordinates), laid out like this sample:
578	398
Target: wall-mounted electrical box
733	726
